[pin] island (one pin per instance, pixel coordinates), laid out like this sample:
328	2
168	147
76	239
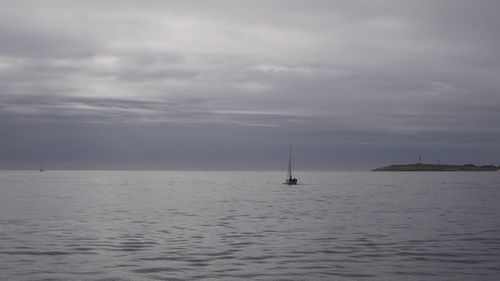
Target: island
420	167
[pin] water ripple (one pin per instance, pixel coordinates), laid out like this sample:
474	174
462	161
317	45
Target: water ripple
243	226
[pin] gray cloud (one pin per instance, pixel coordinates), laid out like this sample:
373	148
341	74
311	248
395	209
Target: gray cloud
354	83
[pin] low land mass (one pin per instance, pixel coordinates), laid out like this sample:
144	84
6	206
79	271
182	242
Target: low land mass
419	167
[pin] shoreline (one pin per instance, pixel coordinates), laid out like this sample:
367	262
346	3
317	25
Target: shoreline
419	167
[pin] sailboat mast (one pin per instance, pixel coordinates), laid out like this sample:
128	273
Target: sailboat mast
290	163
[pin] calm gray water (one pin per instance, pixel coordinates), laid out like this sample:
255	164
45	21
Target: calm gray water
86	225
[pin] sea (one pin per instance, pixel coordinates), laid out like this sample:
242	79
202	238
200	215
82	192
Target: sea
212	225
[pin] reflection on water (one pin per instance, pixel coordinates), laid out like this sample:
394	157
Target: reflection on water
247	225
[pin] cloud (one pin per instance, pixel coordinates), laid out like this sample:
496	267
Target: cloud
328	74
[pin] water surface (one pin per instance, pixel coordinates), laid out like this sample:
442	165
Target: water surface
136	225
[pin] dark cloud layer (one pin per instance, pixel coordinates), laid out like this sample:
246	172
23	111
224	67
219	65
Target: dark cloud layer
228	84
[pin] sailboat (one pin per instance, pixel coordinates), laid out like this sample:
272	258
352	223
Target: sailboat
41	167
290	180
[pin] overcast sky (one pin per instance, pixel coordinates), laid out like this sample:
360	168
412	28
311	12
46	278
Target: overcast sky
229	84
